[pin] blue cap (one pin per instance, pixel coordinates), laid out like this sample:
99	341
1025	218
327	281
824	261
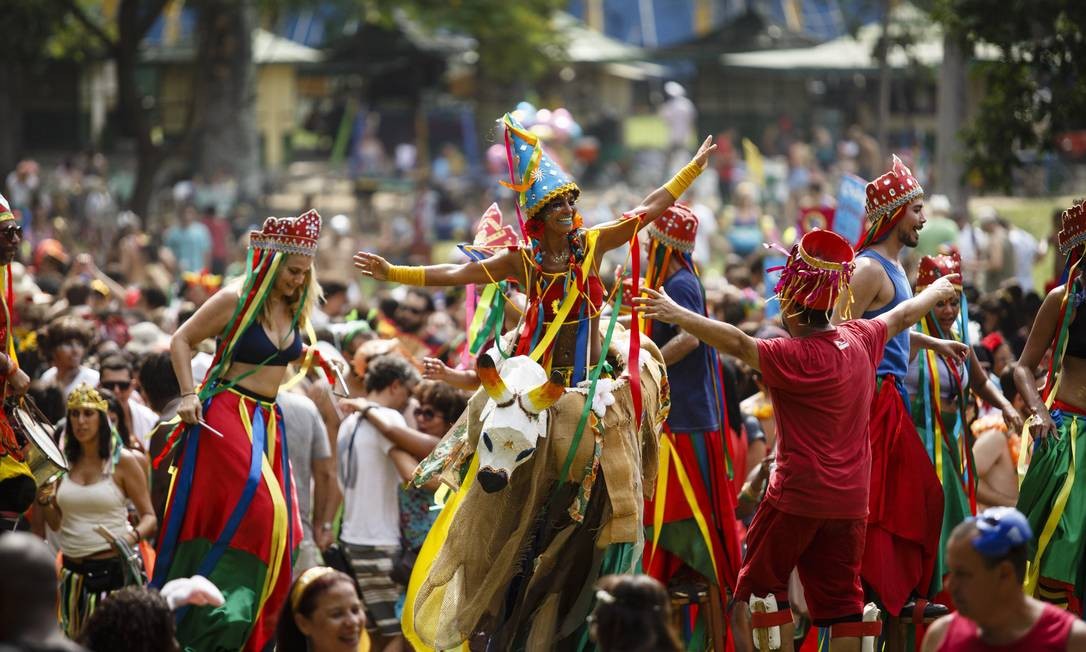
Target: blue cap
1001	528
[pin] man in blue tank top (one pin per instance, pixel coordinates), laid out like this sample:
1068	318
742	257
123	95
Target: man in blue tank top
906	500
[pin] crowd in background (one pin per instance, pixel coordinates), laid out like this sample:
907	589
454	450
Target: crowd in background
99	290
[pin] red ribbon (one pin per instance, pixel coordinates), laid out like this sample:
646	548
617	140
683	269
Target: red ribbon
633	367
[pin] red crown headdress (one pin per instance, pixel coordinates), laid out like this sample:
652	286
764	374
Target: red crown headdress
491	236
817	272
891	191
676	228
289	235
1072	227
932	268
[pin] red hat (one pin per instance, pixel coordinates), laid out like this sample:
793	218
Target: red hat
935	267
1072	228
676	228
289	235
5	210
818	270
890	192
50	248
992	341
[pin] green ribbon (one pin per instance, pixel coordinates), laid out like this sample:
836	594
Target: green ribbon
594	376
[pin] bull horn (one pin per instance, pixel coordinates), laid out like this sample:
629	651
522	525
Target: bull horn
490	379
540	398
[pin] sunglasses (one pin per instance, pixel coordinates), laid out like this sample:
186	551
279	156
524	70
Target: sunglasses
426	413
11	233
114	385
413	309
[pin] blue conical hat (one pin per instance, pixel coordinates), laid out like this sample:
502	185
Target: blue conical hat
539	178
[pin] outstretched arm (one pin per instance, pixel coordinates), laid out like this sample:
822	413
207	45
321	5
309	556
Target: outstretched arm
719	335
618	232
492	270
948	348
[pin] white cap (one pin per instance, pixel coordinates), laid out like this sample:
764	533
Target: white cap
939	205
986	214
674	89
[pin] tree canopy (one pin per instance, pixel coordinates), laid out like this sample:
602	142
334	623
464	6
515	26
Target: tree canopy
1034	91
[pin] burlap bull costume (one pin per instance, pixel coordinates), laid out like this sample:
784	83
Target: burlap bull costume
540	513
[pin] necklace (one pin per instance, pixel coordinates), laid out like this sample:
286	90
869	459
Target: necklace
558	259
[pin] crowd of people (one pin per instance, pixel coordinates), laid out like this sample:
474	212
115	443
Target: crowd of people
241	411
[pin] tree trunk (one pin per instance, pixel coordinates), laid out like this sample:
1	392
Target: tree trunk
135	118
883	126
950	115
11	114
227	141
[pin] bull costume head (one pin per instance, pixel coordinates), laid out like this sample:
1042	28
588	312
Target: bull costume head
514	418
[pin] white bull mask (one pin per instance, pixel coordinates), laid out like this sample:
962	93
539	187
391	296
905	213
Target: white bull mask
515	417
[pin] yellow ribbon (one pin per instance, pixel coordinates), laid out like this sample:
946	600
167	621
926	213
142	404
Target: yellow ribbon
1026	438
567	305
1033	572
937	418
279	508
430	549
307	361
668	454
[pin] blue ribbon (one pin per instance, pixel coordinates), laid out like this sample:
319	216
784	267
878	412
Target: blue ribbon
260	433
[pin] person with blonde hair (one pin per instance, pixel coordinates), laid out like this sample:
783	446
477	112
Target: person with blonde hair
232	514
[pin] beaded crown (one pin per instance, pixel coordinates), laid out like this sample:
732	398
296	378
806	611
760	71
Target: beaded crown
289	235
891	191
676	228
935	267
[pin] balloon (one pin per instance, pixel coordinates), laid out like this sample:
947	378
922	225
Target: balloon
543	117
495	159
563	113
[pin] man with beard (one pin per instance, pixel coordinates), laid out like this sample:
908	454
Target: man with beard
408	325
17	486
906	499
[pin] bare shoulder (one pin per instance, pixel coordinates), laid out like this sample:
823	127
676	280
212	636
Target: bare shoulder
867	269
936	633
228	297
130	465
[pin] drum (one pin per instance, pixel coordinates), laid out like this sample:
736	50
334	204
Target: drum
44	458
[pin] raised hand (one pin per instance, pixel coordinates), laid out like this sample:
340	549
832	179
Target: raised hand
707	148
371	265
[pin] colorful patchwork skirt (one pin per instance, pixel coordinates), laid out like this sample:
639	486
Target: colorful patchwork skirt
232	517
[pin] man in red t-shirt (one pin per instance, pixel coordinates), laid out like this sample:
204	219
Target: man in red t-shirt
821	383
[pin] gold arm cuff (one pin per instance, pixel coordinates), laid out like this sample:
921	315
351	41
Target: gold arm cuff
407	274
683	179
